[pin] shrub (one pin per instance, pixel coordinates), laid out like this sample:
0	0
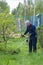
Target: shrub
40	35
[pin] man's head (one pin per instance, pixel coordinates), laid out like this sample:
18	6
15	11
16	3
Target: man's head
27	23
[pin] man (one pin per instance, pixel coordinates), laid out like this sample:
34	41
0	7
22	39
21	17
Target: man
33	35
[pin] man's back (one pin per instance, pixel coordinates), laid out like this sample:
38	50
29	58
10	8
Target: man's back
31	29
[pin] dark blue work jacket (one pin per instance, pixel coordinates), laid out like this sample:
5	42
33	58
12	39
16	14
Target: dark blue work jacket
32	31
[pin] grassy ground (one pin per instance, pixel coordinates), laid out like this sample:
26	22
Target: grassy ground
23	58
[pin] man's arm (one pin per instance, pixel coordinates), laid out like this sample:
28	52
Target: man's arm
26	31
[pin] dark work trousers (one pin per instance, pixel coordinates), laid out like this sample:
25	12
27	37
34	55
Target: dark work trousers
32	44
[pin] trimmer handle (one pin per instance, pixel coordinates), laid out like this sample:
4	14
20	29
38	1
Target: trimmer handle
27	40
22	35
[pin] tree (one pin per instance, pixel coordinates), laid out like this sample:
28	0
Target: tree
19	11
5	21
3	6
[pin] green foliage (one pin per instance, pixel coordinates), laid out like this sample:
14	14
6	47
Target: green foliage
23	58
7	22
29	9
40	35
19	11
39	6
3	6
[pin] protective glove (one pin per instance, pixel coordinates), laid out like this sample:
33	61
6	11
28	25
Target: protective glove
22	35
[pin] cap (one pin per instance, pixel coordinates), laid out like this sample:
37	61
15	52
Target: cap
27	21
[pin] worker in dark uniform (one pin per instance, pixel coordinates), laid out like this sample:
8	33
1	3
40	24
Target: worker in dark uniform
33	36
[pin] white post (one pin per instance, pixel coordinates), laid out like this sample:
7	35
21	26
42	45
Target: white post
38	22
19	25
34	11
24	10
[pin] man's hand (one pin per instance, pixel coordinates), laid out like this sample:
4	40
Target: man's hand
22	35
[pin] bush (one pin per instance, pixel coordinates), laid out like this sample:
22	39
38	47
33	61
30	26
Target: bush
40	35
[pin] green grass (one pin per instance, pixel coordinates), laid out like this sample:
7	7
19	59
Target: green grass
23	58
